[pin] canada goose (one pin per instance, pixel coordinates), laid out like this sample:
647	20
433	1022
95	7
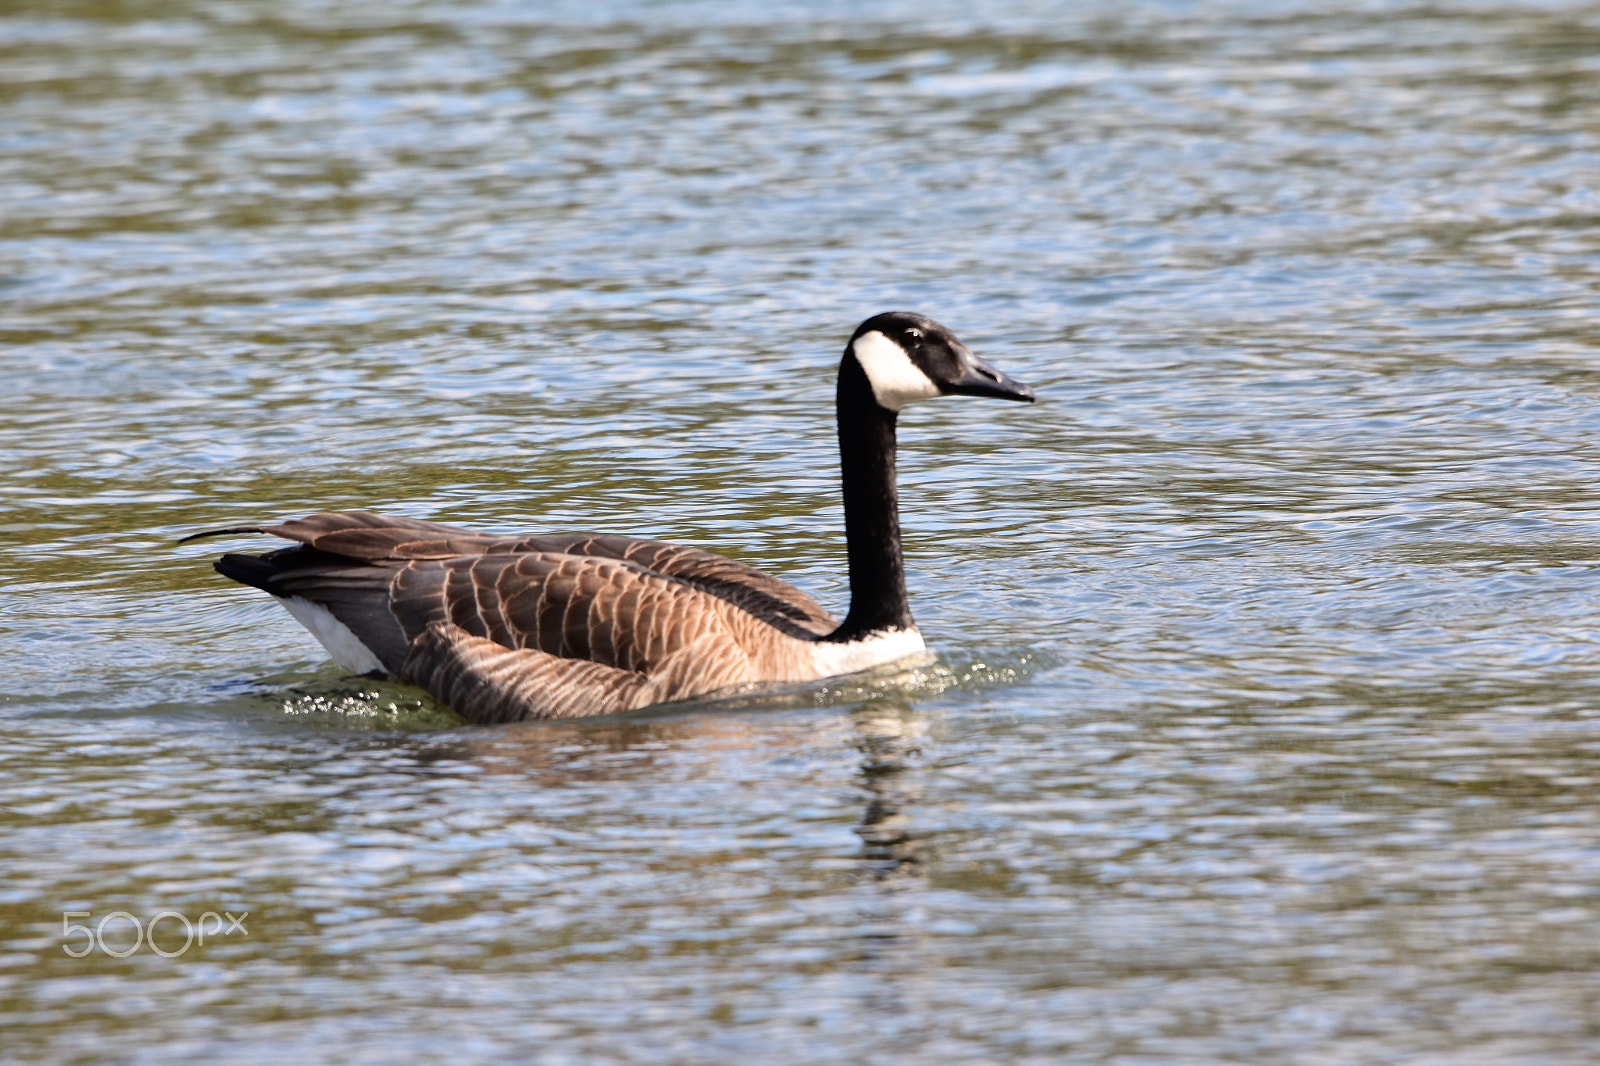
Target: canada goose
504	628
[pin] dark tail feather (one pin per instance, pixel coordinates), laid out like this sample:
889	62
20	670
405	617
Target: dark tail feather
250	570
357	593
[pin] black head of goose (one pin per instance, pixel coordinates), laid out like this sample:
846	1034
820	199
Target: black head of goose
504	628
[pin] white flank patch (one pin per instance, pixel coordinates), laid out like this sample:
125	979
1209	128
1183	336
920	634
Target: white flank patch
343	646
895	379
875	650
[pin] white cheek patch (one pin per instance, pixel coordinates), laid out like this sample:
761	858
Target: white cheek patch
895	379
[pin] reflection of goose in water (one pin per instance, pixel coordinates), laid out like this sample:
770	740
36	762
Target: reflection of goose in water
503	628
889	735
891	738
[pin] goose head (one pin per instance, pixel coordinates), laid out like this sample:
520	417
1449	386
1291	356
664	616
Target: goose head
908	357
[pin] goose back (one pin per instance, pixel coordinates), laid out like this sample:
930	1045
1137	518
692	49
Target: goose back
494	625
385	539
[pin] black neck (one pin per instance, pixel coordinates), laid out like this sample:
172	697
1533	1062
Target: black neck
871	509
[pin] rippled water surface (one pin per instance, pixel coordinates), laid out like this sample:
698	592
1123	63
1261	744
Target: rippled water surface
1265	726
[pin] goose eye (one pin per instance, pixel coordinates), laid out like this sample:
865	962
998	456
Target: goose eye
914	334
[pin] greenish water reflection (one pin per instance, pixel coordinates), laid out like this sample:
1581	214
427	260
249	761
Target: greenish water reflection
1264	724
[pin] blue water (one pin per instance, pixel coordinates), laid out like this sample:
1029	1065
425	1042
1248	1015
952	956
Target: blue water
1263	726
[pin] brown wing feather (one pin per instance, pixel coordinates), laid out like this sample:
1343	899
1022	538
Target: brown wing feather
504	628
573	607
488	684
373	537
364	535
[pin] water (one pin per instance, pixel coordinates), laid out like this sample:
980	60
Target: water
1265	725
